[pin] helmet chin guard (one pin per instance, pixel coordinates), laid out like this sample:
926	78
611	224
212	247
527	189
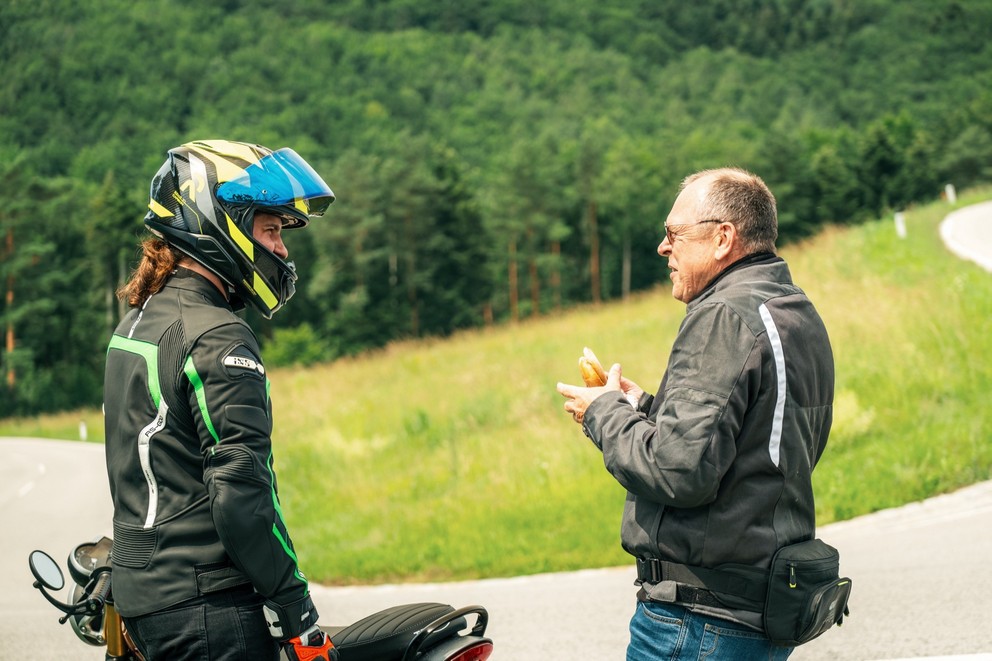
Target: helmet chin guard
203	203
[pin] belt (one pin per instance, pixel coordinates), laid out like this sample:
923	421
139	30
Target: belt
690	596
698	585
652	571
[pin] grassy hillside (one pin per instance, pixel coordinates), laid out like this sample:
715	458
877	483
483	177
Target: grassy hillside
454	459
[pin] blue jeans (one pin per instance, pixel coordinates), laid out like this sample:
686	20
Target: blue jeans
667	632
226	625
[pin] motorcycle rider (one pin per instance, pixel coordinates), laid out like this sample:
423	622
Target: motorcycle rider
204	567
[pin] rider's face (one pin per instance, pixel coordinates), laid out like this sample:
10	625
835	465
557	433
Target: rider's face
268	232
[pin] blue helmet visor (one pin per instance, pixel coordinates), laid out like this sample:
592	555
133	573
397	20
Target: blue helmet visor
279	179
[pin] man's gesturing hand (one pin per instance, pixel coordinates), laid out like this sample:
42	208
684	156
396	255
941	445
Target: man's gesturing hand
580	397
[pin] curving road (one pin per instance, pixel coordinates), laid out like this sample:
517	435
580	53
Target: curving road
967	233
922	582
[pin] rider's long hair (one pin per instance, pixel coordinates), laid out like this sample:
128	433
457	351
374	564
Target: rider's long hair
158	261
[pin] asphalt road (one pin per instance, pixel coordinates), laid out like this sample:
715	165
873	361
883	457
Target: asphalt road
53	496
922	581
922	586
967	233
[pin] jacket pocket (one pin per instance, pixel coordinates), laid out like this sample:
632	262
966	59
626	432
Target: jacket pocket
212	578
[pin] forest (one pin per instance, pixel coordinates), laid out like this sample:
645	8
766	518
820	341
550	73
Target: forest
493	160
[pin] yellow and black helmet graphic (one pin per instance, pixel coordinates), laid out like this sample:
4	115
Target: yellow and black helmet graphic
203	203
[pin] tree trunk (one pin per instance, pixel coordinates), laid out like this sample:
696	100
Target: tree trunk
593	250
359	272
411	280
512	276
535	282
556	274
625	284
9	253
108	299
121	280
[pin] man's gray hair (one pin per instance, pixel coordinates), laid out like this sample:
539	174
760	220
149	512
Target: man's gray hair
741	198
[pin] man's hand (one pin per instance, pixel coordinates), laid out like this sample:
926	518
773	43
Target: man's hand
579	397
311	645
631	390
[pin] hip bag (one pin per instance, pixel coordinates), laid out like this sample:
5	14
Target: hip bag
800	597
806	594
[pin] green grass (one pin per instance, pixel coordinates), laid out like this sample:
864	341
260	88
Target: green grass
66	426
454	459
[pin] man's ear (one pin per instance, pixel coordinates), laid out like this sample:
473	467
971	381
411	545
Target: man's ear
725	241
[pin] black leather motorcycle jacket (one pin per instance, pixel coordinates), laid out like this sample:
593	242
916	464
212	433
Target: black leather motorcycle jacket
189	456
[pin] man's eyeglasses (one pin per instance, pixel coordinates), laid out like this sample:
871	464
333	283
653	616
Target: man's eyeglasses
672	231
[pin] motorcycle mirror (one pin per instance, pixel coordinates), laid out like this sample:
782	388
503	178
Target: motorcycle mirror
46	570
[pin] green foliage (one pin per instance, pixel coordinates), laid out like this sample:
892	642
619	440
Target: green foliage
48	314
492	161
300	345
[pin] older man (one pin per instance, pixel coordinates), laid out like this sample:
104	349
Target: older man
717	465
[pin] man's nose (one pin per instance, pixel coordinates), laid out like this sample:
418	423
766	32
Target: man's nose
665	248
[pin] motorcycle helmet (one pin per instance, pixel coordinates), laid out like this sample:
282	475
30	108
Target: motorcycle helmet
203	203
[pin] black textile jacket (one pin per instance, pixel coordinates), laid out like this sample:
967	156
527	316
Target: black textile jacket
717	465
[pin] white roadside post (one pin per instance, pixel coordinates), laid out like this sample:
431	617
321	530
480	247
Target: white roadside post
900	218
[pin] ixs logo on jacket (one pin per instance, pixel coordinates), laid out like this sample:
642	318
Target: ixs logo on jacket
240	361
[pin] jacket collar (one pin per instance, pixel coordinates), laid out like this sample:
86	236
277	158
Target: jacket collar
771	266
184	278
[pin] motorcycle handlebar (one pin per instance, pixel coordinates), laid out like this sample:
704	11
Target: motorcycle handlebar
101	589
95	596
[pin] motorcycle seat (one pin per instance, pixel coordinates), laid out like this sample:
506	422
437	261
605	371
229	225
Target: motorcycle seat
384	636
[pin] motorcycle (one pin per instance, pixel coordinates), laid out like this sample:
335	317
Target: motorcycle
410	632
